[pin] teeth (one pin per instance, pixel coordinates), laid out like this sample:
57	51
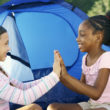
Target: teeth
79	45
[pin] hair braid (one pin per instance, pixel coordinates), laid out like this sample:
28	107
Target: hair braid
101	23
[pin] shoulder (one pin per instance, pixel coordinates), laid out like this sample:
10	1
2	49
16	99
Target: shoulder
107	52
106	55
104	60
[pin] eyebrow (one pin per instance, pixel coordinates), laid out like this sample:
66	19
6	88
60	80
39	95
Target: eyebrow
7	41
81	31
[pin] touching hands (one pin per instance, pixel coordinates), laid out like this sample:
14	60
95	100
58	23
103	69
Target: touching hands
59	66
56	65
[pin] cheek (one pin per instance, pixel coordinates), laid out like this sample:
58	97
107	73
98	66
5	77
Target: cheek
2	51
84	40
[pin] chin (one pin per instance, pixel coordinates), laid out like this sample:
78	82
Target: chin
3	59
82	50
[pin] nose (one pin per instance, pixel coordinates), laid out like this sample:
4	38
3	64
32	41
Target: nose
78	39
8	49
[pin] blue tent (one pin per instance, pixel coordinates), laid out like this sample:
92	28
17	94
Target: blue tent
36	28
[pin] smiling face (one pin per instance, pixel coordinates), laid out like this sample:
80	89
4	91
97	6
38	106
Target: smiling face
86	39
4	47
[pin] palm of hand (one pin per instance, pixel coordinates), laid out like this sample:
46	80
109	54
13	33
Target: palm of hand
63	68
56	65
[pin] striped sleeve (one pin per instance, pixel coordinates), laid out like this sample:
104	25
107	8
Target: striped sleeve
15	95
22	85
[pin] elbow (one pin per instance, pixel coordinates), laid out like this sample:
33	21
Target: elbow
96	96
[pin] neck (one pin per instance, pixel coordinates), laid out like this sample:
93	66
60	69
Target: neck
95	53
3	71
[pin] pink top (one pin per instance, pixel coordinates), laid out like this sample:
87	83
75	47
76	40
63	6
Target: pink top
91	73
24	93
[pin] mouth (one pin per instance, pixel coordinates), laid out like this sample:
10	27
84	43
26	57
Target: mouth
5	55
80	45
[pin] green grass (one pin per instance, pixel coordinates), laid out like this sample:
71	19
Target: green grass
90	7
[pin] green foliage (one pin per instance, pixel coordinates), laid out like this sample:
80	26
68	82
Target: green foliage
99	7
3	1
90	7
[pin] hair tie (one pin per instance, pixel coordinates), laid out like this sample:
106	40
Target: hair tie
108	17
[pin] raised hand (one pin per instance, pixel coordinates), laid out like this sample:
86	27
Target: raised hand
56	65
62	65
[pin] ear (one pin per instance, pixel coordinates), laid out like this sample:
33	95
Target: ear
99	36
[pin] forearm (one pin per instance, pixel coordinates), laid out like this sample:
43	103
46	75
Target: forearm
27	96
78	86
26	85
19	84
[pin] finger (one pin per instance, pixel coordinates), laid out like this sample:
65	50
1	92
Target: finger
61	60
55	51
57	56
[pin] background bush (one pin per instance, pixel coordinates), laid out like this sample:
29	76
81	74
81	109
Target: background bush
90	7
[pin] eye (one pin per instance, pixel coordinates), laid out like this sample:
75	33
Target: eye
82	34
7	43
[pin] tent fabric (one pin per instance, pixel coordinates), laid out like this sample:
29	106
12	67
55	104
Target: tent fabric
80	13
73	18
13	67
64	13
68	17
15	41
106	48
60	93
54	34
12	3
3	16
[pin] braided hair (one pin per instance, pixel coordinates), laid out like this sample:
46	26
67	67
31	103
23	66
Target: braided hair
2	30
101	23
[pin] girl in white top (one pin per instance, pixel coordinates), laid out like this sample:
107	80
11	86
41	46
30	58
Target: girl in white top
17	92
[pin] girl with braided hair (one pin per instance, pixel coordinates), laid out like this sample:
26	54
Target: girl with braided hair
95	79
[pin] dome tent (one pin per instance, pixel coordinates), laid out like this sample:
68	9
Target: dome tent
36	28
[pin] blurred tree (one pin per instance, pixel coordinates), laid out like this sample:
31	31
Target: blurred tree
99	7
3	1
90	7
